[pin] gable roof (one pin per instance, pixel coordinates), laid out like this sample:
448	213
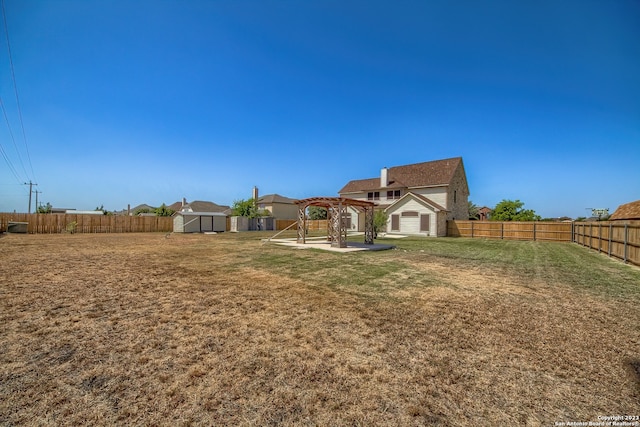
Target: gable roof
420	198
629	210
200	206
275	198
142	206
426	174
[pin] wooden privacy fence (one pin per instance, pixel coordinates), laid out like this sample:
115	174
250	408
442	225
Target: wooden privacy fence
617	239
72	223
512	230
312	224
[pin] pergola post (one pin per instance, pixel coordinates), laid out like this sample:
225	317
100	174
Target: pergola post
368	225
338	238
330	215
302	224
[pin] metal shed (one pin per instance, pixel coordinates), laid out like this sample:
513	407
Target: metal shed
199	222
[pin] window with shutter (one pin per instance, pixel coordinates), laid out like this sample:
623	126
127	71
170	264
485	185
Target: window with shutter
425	221
395	222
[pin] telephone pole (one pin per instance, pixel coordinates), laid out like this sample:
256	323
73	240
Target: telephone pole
37	206
30	184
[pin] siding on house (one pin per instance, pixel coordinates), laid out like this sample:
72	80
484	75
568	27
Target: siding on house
441	186
402	223
279	206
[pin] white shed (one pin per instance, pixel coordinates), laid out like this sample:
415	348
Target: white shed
199	222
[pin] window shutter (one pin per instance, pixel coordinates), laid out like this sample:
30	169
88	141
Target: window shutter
425	221
395	222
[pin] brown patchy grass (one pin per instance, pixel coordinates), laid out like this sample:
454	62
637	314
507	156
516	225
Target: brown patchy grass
211	330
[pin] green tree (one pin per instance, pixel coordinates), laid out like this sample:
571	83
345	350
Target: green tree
44	209
141	210
473	210
246	208
163	210
380	219
103	210
316	212
511	210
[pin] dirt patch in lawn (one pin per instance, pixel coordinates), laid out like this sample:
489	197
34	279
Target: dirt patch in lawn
198	330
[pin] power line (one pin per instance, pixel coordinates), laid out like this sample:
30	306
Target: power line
4	154
15	88
11	168
6	119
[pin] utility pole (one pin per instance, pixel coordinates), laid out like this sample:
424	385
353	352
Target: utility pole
30	184
37	206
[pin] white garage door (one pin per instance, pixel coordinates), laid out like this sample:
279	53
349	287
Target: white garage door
409	222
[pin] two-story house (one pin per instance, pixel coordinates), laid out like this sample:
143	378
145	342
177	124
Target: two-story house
418	198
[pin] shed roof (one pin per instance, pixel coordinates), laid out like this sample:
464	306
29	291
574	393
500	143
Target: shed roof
426	174
629	210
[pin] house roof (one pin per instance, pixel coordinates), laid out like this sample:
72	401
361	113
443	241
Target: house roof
142	206
629	210
425	200
275	198
199	213
426	174
200	206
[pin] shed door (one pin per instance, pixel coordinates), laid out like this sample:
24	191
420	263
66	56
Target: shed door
409	222
206	223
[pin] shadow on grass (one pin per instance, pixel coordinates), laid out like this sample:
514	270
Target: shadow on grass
634	364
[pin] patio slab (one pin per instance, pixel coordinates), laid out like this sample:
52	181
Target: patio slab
326	245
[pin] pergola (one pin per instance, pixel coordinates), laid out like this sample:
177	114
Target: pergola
336	212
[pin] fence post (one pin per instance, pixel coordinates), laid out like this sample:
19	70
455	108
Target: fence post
534	231
610	232
591	236
502	230
472	229
626	229
599	236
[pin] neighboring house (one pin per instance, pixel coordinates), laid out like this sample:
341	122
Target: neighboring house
484	213
279	207
197	206
143	208
418	198
628	211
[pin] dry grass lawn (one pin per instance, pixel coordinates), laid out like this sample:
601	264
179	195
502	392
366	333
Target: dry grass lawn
220	330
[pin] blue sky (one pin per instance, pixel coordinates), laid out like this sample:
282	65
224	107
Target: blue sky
129	102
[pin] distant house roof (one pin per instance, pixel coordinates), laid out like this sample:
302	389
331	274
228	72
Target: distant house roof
142	207
629	210
175	206
427	174
201	206
275	198
200	213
